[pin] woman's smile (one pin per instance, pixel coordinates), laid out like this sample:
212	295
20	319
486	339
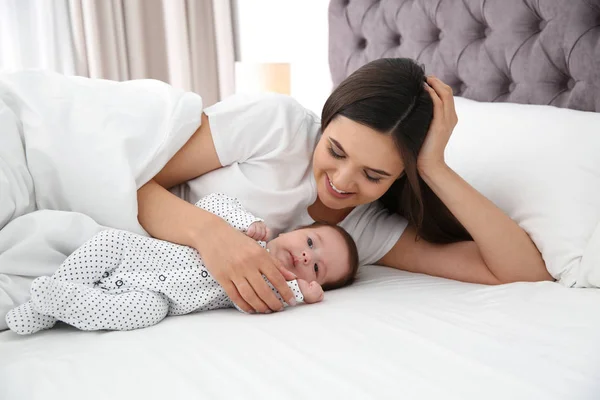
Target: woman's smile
335	192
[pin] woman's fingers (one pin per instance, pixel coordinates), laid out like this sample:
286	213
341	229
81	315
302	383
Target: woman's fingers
235	296
264	293
287	274
247	290
437	101
438	106
440	87
444	120
445	94
274	274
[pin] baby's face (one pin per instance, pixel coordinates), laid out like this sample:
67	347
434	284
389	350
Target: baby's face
313	254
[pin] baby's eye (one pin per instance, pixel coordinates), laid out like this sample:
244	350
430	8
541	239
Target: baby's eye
310	243
316	268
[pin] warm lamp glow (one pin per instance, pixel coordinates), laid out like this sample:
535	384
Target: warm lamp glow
262	77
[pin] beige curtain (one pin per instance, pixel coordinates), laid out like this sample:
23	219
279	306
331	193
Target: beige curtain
187	43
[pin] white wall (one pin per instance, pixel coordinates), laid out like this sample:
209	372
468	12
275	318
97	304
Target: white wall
289	31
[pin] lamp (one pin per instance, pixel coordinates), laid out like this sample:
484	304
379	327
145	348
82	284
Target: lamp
262	77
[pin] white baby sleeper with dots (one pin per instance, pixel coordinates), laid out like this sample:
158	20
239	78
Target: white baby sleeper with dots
119	280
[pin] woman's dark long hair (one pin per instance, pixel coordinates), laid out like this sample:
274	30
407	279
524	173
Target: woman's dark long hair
388	96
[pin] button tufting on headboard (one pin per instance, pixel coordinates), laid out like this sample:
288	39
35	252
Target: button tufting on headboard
522	51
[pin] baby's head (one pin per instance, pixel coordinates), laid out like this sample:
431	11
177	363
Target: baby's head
319	252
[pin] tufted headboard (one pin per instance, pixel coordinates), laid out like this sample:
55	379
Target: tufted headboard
521	51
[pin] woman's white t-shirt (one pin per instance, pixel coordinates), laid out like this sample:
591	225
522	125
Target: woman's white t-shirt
265	143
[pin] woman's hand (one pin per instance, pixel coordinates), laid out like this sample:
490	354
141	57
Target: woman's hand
237	263
444	121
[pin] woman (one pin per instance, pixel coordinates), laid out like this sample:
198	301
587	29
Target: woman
382	137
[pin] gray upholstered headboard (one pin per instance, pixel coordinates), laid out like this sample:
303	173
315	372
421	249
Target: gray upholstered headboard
522	51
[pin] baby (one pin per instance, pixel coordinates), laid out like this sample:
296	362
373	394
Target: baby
119	280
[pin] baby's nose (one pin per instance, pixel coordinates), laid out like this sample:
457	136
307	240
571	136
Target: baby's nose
306	257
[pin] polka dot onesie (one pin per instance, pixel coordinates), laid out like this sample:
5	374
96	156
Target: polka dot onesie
119	280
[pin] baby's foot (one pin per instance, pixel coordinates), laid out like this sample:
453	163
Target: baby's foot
58	298
41	295
24	320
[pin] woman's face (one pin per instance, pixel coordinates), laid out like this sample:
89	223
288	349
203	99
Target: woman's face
354	164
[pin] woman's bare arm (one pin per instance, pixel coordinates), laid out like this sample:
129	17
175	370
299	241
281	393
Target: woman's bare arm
501	252
197	157
505	248
236	261
459	261
165	216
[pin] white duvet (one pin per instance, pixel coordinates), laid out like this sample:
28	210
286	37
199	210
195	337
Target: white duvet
82	146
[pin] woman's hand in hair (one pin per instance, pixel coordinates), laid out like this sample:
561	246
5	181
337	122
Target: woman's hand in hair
444	120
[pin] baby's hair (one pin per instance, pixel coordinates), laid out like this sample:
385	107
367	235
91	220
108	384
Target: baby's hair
348	278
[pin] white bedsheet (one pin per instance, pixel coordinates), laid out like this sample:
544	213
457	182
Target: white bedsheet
391	335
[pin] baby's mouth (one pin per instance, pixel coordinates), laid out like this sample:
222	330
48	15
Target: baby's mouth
290	260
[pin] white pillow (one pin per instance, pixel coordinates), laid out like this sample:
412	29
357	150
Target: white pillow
541	166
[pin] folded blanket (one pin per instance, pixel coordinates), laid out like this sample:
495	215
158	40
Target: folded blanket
73	152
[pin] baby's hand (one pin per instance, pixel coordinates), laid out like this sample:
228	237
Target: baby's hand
258	231
312	292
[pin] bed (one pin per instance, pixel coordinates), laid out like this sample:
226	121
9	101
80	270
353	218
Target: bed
392	334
